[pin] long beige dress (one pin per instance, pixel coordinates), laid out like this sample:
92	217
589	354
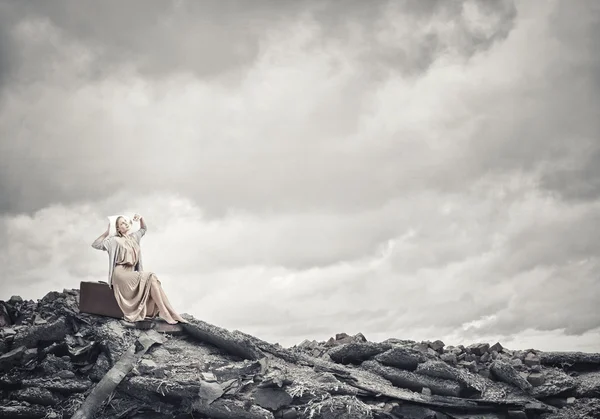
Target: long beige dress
139	294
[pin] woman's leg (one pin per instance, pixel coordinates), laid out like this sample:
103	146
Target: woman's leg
159	297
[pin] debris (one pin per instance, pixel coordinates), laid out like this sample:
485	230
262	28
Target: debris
231	342
58	362
115	375
507	373
355	353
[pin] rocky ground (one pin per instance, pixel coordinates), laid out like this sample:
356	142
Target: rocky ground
59	363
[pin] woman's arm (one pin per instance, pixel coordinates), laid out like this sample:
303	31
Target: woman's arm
143	223
143	227
99	242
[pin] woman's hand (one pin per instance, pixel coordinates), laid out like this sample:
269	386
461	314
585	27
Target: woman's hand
138	217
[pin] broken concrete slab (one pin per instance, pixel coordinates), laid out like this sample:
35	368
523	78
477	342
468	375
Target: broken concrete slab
25	411
417	412
231	409
478	349
588	384
11	358
234	343
473	383
40	396
272	398
116	374
49	332
570	360
355	353
401	357
556	382
59	385
508	374
413	381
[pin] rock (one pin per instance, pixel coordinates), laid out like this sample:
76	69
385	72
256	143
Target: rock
450	358
272	398
100	368
12	358
516	363
588	384
580	409
517	414
468	365
344	338
29	355
8	332
308	344
289	413
453	350
399	357
412	381
230	409
401	342
421	347
52	296
65	374
53	364
39	396
479	348
485	372
15	299
232	342
171	329
416	412
37	320
486	357
474	383
146	366
5	319
506	373
497	347
355	353
50	332
536	379
148	387
437	346
556	382
531	360
57	385
22	411
570	360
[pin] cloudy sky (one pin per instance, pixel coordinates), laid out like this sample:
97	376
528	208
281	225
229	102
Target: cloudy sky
410	169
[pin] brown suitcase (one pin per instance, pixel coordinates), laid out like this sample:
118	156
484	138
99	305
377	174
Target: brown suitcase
98	298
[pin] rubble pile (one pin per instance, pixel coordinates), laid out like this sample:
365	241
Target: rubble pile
56	362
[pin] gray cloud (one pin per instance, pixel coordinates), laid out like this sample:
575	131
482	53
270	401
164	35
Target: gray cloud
56	50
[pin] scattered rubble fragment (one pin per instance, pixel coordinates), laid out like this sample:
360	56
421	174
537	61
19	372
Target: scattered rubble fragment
56	362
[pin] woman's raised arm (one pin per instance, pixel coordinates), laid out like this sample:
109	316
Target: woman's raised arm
99	242
140	233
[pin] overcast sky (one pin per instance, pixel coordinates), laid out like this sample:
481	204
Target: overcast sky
410	169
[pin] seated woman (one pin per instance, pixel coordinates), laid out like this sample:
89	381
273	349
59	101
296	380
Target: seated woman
138	293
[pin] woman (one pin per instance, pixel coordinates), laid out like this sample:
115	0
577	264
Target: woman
138	293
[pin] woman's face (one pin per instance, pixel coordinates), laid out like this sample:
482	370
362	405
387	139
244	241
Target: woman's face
123	225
